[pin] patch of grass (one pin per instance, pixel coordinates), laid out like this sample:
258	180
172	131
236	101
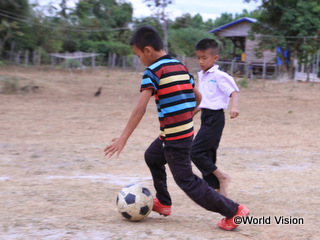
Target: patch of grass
243	82
9	85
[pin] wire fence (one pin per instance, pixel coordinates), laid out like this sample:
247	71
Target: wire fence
238	69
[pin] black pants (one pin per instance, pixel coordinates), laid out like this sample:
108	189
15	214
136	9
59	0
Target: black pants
178	160
205	145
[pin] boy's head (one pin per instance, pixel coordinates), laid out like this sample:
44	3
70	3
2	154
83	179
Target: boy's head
207	51
146	36
147	44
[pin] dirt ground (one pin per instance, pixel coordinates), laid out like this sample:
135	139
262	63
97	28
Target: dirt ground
55	182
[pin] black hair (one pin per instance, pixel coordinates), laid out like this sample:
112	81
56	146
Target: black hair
206	44
146	36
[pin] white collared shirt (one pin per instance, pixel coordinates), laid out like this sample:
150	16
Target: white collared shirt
216	87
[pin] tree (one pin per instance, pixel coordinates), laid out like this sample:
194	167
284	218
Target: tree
224	19
10	24
100	15
183	41
159	9
289	25
182	22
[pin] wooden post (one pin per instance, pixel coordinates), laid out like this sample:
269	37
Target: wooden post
34	58
135	61
313	68
232	65
317	62
11	55
17	58
110	59
66	60
39	57
246	68
81	60
26	58
264	69
114	59
53	61
308	67
295	75
124	63
93	62
251	74
278	70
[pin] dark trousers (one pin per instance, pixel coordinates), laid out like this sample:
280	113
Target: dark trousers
178	160
205	145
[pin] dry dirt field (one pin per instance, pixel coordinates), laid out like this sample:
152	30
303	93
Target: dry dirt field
56	184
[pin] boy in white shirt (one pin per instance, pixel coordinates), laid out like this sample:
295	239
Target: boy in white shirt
216	88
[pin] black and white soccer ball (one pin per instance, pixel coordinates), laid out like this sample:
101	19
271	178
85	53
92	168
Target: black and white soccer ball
134	202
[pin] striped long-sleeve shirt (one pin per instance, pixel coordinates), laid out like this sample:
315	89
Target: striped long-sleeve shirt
172	86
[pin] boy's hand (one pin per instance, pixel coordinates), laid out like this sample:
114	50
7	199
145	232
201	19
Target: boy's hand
116	147
234	112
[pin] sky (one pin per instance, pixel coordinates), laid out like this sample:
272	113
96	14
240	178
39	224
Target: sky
208	9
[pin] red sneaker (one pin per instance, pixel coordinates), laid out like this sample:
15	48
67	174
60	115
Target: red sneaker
228	223
161	209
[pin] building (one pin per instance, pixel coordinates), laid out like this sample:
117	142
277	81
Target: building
247	62
238	31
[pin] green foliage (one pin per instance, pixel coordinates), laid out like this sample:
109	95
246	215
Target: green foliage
183	41
10	28
187	21
289	25
71	63
100	15
105	47
99	26
148	21
9	84
224	19
55	45
243	82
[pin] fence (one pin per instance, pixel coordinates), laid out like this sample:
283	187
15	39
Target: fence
24	57
234	68
310	72
82	60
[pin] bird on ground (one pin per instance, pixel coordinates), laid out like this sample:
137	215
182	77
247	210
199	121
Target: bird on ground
97	94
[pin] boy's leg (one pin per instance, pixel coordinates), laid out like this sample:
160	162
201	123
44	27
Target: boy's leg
224	180
212	181
204	148
196	188
206	142
155	159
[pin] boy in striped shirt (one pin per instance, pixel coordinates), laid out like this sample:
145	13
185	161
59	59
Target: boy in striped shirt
172	86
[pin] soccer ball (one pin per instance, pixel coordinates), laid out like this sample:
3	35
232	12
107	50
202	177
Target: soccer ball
134	202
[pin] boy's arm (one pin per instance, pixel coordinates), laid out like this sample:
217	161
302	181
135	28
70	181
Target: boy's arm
136	116
234	112
198	99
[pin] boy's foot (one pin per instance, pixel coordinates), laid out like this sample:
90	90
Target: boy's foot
224	184
228	223
161	209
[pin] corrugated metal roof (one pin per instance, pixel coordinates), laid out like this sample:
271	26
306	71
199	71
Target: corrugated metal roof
244	19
